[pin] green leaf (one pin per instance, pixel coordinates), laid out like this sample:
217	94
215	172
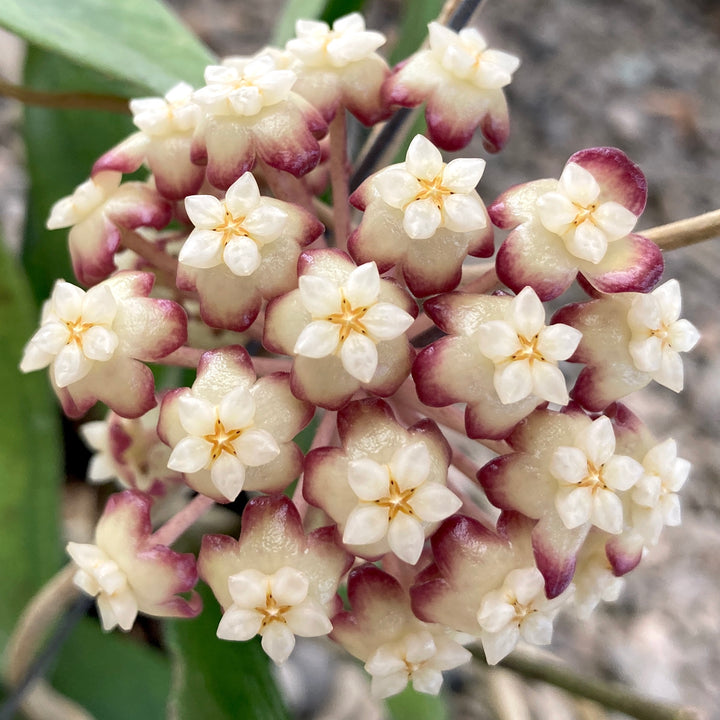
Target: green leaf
216	679
137	40
112	675
62	146
413	29
30	456
337	8
418	706
295	10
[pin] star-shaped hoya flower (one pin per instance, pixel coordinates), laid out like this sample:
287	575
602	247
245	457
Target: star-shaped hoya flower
340	68
129	451
498	357
581	223
396	647
386	486
345	326
274	580
655	499
276	606
250	112
243	249
166	127
423	215
461	79
590	477
629	339
518	609
564	472
96	212
127	573
230	432
92	342
526	351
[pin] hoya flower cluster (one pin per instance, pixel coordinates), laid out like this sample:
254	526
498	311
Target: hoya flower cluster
329	320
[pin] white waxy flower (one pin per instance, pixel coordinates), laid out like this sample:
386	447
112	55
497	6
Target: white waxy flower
658	335
526	351
590	476
348	41
87	197
222	437
232	231
176	113
396	501
276	606
519	609
99	576
595	583
418	657
467	56
76	332
655	500
585	225
244	87
433	194
348	320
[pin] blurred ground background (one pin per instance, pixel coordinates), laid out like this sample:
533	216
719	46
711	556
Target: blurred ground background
641	75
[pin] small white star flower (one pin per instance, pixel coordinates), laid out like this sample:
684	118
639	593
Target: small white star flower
518	609
418	657
348	320
395	500
76	332
87	197
595	583
348	41
573	212
433	194
174	113
244	86
222	437
276	606
99	576
590	476
655	500
526	351
658	336
233	230
467	56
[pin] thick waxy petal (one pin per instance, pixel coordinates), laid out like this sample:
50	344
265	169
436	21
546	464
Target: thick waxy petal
527	313
575	506
549	383
362	286
421	219
558	342
99	343
320	295
513	381
464	213
248	588
385	321
578	184
556	212
206	212
406	537
366	524
434	502
498	645
289	586
308	620
498	340
228	475
256	447
410	466
621	472
463	174
397	187
598	441
196	415
318	339
242	256
569	464
71	365
266	223
423	159
190	455
236	409
369	480
615	220
587	242
202	249
239	624
607	512
359	357
242	196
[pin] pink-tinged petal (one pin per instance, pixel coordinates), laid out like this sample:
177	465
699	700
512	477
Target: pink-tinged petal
620	179
379	238
277	410
124	524
624	553
532	256
227	148
276	475
176	176
285	318
556	548
518	204
221	371
126	157
283	140
633	263
325	486
324	382
395	358
92	244
150	329
361	90
462	313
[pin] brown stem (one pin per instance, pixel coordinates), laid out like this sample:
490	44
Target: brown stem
613	695
41	700
685	232
266	365
181	521
64	100
339	178
155	255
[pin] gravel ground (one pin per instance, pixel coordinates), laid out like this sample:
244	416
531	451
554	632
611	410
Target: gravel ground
640	75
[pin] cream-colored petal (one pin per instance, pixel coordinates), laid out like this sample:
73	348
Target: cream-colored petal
598	441
574	506
587	242
683	336
433	502
236	409
513	381
526	313
556	212
242	256
227	474
549	383
671	373
67	300
615	220
410	465
99	343
499	644
99	305
537	629
248	588
359	357
366	524
621	472
578	185
256	447
197	415
396	186
362	286
558	342
239	624
70	365
278	642
369	480
498	340
421	219
385	321
646	354
318	339
569	464
319	295
289	586
243	196
463	213
463	174
308	620
205	211
607	512
190	455
266	223
202	249
423	159
406	537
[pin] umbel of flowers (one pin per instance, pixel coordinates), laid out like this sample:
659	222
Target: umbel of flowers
334	322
